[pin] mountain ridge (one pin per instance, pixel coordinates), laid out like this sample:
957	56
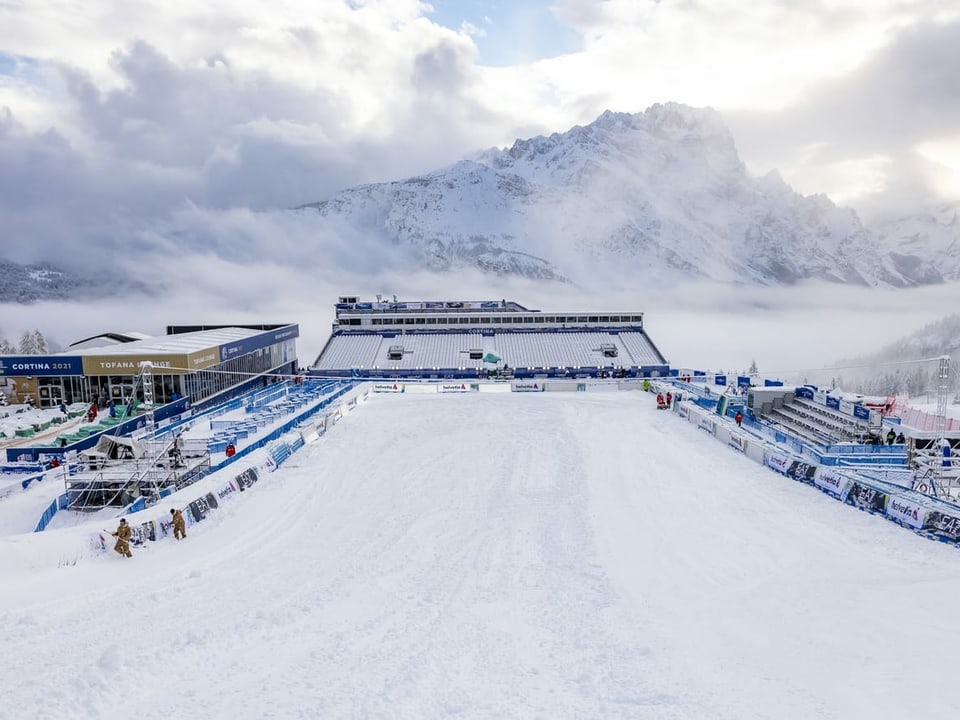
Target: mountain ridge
662	191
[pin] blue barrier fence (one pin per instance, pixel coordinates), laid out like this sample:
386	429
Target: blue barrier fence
59	504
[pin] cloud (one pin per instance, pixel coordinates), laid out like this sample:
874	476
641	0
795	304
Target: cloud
789	332
114	116
872	121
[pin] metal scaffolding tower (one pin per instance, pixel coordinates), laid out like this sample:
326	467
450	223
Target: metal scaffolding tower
941	443
152	473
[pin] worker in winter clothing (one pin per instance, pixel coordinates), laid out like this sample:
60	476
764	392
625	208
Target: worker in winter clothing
231	450
891	436
123	535
179	524
738	418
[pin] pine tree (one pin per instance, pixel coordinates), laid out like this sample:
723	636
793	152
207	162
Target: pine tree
753	371
40	343
7	348
27	346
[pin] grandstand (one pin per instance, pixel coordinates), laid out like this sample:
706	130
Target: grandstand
480	339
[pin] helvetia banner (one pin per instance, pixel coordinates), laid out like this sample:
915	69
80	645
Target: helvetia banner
907	512
526	387
778	462
453	387
832	483
388	387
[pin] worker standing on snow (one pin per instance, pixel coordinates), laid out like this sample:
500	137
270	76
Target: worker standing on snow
179	524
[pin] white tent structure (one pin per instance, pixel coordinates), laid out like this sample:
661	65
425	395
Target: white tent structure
110	447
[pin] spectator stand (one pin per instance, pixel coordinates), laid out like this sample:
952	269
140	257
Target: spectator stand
266	417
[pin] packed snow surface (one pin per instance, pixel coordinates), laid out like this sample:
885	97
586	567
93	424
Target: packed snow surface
496	556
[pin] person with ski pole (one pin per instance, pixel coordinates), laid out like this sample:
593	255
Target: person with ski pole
123	535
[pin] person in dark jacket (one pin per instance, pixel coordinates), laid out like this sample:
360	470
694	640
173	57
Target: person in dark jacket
179	524
891	436
901	440
123	535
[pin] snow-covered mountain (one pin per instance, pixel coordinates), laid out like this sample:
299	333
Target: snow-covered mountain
925	246
656	196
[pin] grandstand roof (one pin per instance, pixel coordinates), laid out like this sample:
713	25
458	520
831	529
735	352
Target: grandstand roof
587	348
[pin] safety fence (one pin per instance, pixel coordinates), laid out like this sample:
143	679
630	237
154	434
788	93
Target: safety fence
928	516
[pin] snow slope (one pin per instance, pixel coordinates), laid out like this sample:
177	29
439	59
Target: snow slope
497	556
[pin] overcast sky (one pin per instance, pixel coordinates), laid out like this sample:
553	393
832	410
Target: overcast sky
122	120
117	110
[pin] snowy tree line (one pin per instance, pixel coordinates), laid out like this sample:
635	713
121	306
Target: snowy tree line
910	365
32	342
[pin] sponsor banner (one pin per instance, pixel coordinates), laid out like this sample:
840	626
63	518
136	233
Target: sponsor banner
526	387
227	491
198	509
743	381
820	396
779	462
388	387
203	358
799	470
866	497
40	365
846	407
130	364
682	410
943	524
708	424
719	379
861	412
738	441
257	342
139	534
833	402
247	478
453	387
804	392
907	512
832	483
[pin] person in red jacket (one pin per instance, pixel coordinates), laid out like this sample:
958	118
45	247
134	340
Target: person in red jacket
231	450
738	418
